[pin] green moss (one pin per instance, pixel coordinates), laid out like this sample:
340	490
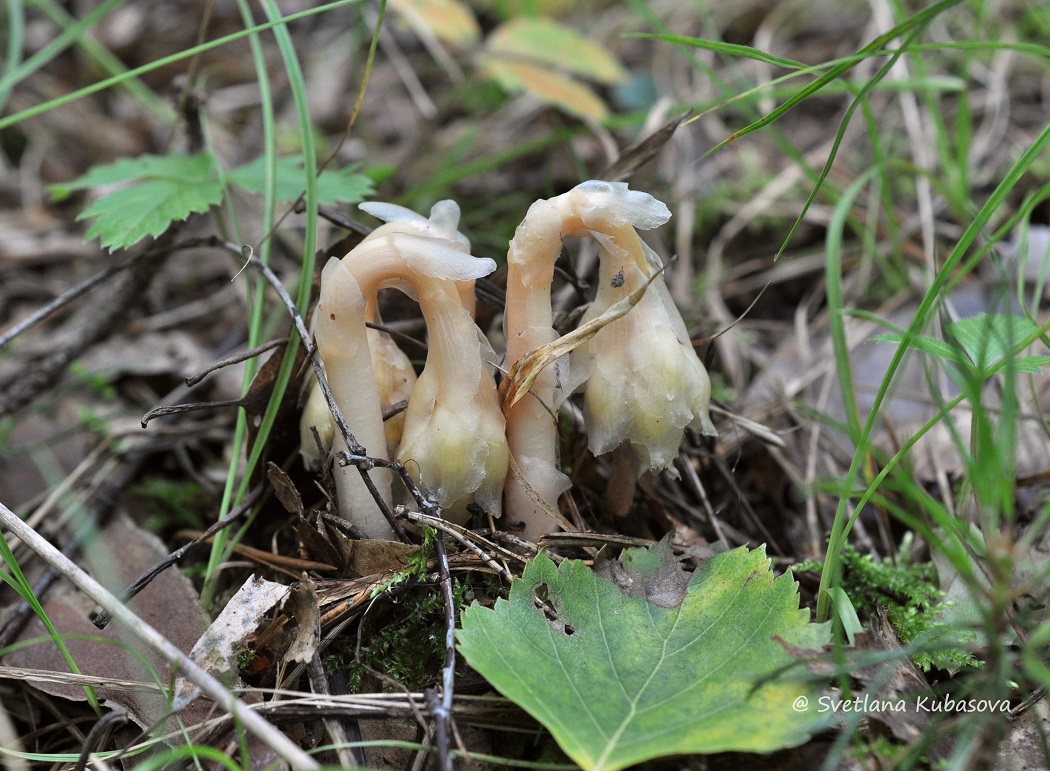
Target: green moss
912	599
404	636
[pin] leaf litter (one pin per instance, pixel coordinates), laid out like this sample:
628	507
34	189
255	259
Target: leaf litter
740	484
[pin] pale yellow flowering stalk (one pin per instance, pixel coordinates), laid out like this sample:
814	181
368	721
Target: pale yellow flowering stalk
652	351
394	373
455	390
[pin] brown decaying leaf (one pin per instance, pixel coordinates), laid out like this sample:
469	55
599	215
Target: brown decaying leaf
301	605
523	373
643	151
170	604
284	489
220	646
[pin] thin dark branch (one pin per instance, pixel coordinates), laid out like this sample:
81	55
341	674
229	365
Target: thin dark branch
399	336
251	353
175	409
144	580
63	299
92	324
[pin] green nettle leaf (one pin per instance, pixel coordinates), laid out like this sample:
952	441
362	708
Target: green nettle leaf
339	186
636	660
161	189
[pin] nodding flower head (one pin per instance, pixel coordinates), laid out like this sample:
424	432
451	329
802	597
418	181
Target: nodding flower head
645	384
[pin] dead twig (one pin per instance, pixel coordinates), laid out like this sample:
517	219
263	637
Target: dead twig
254	723
144	580
251	353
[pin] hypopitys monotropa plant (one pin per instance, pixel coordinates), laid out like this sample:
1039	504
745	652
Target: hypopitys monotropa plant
643	382
453	441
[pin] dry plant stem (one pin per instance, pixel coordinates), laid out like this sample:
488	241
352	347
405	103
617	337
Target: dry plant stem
97	512
334	725
144	580
355	454
466	538
254	723
442	711
63	299
251	353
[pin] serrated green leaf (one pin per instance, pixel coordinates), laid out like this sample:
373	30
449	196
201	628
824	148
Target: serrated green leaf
189	168
642	661
341	186
163	189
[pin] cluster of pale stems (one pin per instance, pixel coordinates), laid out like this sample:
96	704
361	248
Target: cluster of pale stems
642	380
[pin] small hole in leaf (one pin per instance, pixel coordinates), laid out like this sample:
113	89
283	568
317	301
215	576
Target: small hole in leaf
569	630
540	598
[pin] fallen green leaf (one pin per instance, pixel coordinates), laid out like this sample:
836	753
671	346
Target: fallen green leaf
640	661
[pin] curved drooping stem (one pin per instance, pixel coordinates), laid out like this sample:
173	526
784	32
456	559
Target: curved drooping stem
427	265
394	374
610	213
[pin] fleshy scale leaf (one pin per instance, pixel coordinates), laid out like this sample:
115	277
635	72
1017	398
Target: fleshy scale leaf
640	661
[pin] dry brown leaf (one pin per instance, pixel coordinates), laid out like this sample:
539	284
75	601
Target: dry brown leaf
301	605
523	373
169	604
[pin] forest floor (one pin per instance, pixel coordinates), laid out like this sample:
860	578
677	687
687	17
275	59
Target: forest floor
903	194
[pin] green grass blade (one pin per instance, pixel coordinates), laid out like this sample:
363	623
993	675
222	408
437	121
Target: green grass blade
16	28
74	31
164	61
842	524
872	49
729	49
